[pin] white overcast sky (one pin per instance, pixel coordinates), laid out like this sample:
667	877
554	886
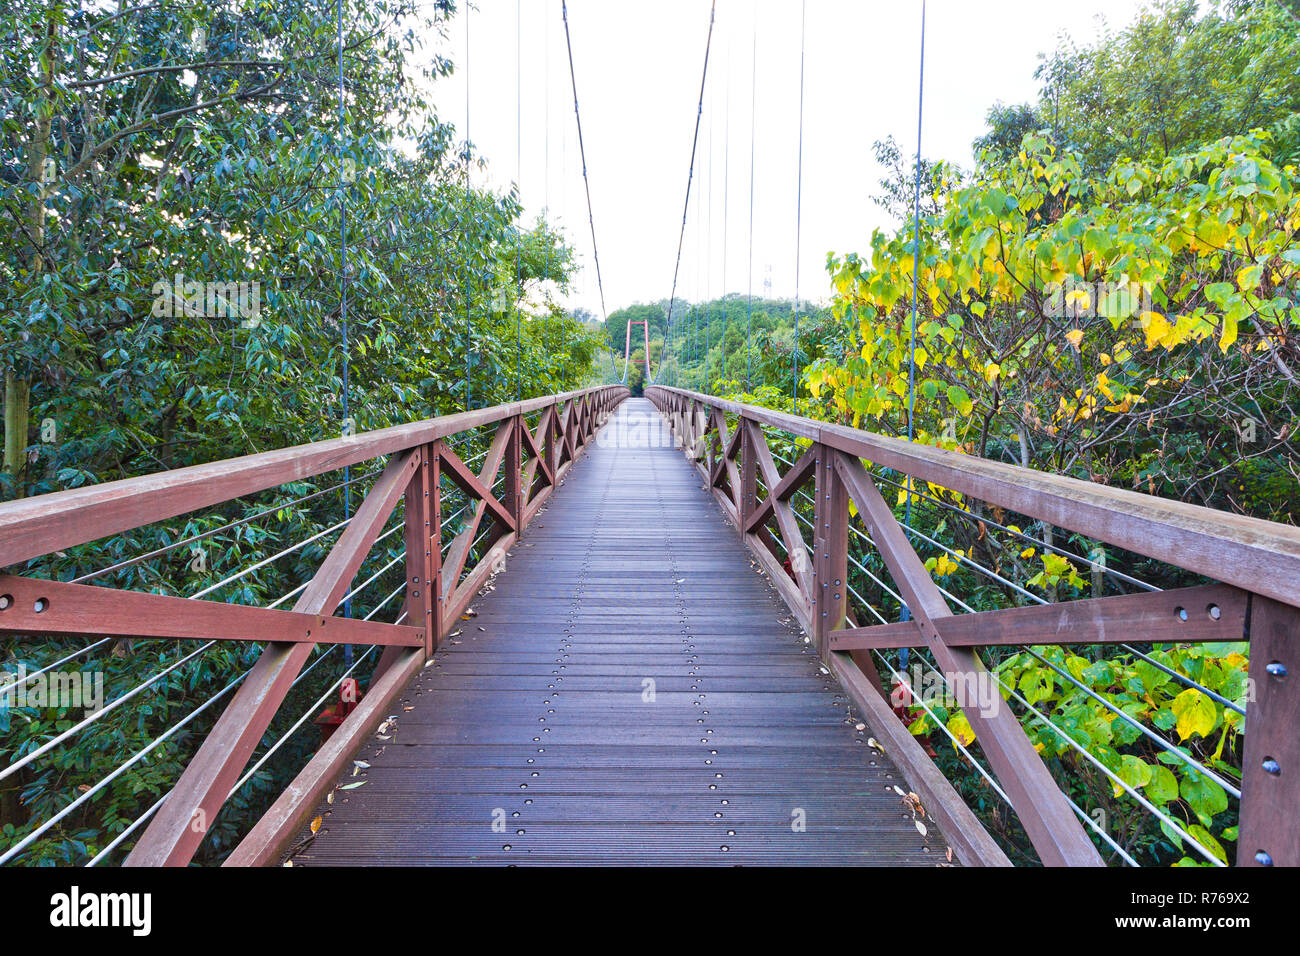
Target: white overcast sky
638	70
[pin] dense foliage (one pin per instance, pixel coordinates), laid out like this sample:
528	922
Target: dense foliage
733	338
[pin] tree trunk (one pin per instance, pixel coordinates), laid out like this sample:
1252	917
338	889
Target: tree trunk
17	385
16	422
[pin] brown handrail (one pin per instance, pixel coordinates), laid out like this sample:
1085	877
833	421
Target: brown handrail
1257	555
31	527
1258	560
534	460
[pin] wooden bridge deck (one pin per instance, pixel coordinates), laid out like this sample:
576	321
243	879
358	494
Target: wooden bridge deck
533	737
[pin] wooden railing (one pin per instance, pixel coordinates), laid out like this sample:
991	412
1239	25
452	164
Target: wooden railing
440	583
1256	562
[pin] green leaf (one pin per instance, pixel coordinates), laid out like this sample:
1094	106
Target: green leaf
1135	771
1203	795
1205	839
1163	785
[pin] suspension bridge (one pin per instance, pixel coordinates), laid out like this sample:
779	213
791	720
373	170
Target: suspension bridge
667	628
632	631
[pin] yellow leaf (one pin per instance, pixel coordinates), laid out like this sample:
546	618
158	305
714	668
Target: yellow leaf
1155	326
1194	712
315	824
1248	277
961	729
1229	333
1075	336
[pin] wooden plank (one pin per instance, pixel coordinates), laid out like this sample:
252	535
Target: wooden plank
795	425
1146	618
183	820
31	527
514	494
725	463
1042	808
475	485
1270	766
535	447
82	609
535	505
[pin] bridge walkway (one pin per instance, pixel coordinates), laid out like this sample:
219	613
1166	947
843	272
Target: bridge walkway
630	690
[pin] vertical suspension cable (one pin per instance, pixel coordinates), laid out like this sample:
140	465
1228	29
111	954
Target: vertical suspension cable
690	173
469	208
519	190
546	189
582	152
916	250
798	208
708	250
726	190
916	259
701	288
749	282
564	204
343	299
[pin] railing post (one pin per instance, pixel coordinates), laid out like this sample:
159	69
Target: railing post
514	495
1270	770
549	447
748	476
423	549
830	547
